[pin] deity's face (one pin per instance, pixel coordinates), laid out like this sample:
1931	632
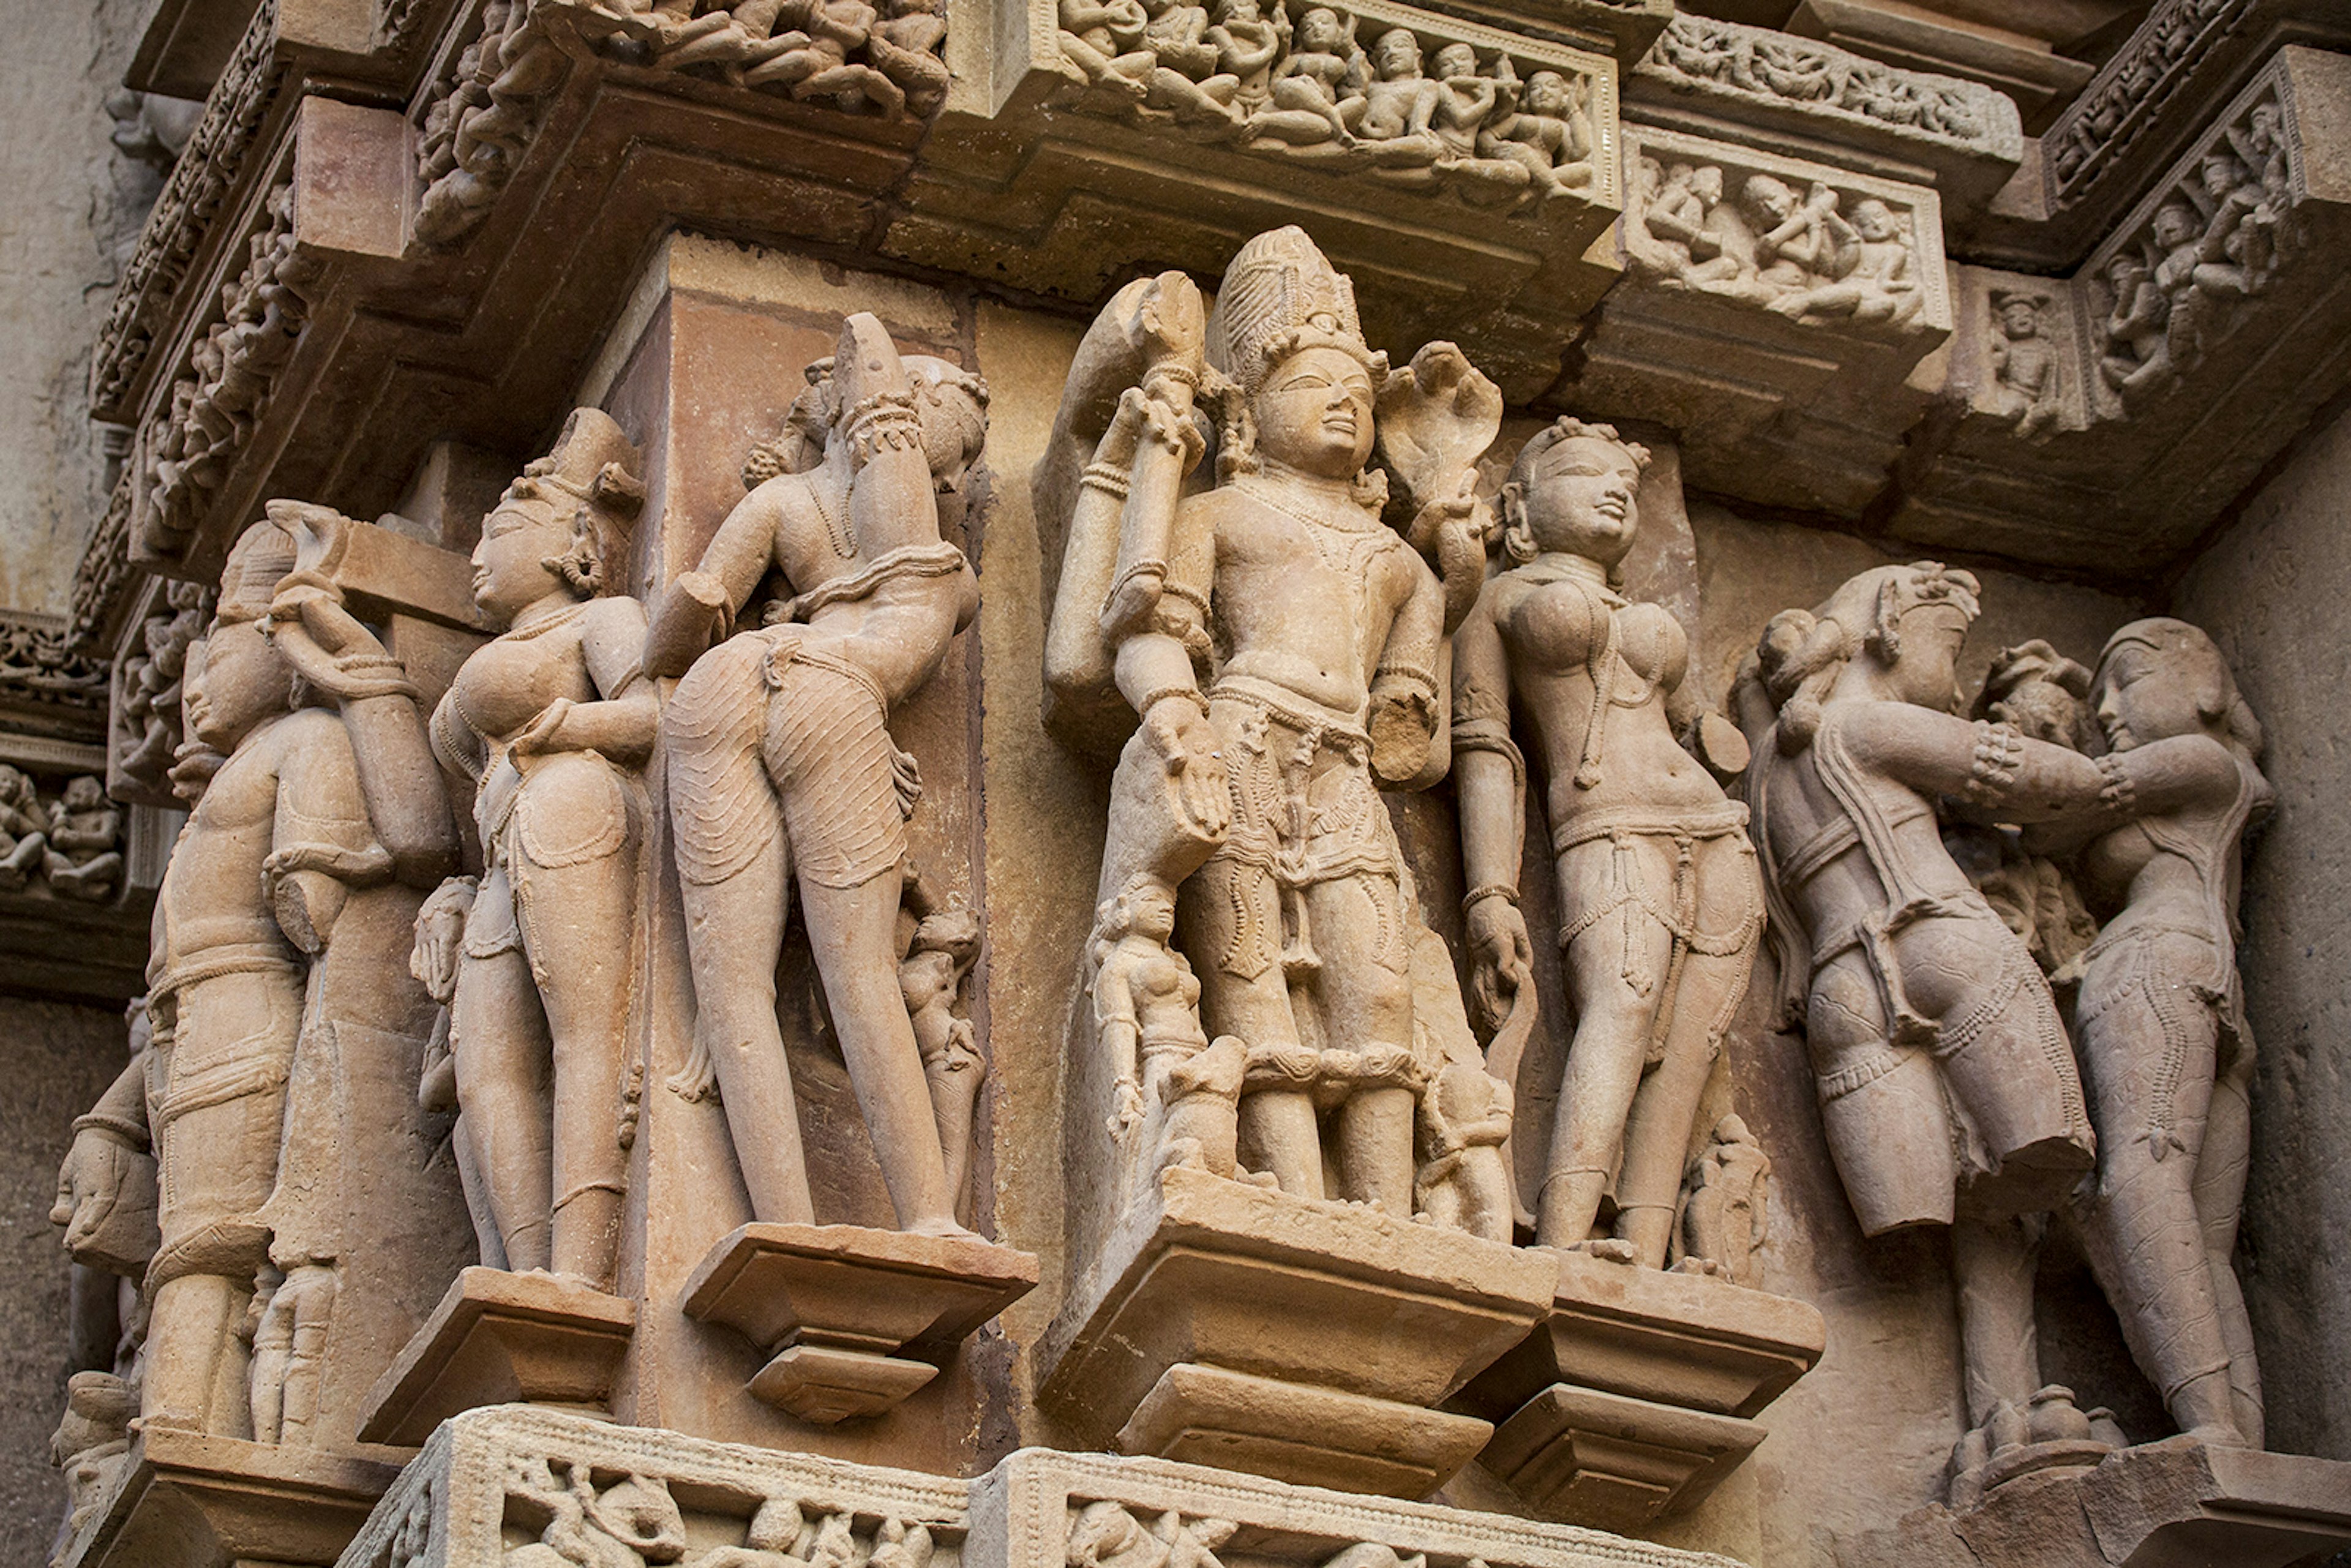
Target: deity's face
1580	500
2175	225
1927	671
1242	11
2222	174
1314	413
2265	124
234	681
2123	272
1769	197
2019	319
1398	54
1151	912
1547	94
1319	31
85	794
1707	183
1875	221
1456	60
2142	694
510	565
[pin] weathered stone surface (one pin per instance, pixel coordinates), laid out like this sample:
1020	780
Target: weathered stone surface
498	1338
189	1501
586	1487
2161	1505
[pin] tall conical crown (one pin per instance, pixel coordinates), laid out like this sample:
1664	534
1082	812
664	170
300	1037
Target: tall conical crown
1280	294
260	559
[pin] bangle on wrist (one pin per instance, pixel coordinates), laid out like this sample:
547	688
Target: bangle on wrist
1486	890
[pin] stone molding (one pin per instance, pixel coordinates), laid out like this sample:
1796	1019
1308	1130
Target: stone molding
212	168
485	1473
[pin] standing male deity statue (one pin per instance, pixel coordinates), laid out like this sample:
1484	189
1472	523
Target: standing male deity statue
782	771
1282	647
326	792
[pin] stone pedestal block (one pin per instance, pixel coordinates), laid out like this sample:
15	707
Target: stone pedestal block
1308	1341
2179	1503
1635	1395
835	1305
188	1500
497	1338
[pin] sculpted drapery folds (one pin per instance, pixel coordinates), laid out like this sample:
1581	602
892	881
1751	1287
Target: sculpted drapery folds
326	792
1660	909
1283	648
782	771
535	959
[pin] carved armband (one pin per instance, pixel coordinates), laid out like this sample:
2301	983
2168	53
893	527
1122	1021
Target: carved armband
1490	735
1998	761
1154	697
882	420
1107	478
125	1132
2120	792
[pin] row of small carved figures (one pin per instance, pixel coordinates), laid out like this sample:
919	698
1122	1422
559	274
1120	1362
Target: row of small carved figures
632	1519
2164	43
1249	73
2219	238
72	843
232	368
1775	66
856	56
1800	255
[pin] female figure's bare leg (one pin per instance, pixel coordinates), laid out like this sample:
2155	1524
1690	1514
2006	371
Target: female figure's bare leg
1616	975
852	932
1229	916
733	930
577	925
1721	899
1364	995
2220	1200
497	1035
2152	1237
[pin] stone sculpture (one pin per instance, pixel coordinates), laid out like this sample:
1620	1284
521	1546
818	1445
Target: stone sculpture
1257	791
1802	257
23	828
1947	1089
2160	1025
781	769
1726	1207
84	857
548	721
1660	907
312	807
2027	389
1308	89
2175	286
146	720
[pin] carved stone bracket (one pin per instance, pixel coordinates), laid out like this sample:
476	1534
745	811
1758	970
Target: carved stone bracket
496	1339
187	1500
2177	1500
2163	374
1309	1341
854	1319
1639	1393
1774	311
1044	179
1759	85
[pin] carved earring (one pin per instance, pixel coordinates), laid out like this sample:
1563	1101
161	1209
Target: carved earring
579	566
1517	539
